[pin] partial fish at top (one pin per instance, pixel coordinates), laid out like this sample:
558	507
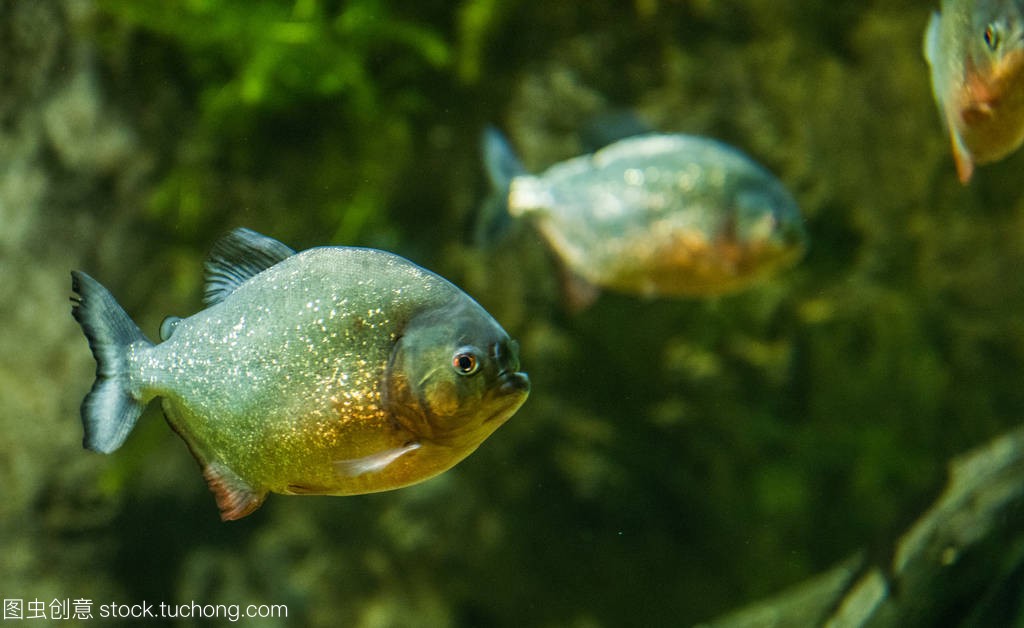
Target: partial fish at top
976	52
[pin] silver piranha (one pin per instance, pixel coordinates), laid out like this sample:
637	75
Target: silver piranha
976	52
337	370
655	215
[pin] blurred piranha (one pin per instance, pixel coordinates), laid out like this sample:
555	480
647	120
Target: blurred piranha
976	52
654	214
336	371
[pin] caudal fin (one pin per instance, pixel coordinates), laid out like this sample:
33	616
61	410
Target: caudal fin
502	165
109	411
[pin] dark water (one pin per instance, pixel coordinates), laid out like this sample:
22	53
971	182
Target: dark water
676	459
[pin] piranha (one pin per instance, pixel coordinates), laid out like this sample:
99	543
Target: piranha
654	214
976	52
334	371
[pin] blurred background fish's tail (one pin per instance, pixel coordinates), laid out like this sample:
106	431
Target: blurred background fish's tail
110	410
502	165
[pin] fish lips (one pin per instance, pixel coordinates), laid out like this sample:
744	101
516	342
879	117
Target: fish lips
512	390
513	382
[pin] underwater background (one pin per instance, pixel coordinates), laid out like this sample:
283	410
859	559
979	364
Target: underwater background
677	459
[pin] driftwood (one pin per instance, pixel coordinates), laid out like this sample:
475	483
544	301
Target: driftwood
960	564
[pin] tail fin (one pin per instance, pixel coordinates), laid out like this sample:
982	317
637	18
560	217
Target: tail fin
500	160
502	166
109	411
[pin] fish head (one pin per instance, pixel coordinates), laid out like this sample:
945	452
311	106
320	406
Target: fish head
995	58
765	219
453	376
985	108
996	32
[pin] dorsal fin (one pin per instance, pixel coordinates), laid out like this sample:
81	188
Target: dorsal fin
237	257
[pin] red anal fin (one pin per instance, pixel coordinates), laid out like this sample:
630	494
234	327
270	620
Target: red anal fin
235	497
964	165
963	159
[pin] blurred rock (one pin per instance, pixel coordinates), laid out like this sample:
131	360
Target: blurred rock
53	517
948	569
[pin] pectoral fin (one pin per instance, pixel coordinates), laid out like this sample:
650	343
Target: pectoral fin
235	497
374	462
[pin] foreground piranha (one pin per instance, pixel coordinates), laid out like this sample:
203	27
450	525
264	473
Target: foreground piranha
976	52
654	214
334	371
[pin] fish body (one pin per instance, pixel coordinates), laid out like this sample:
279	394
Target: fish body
657	214
337	370
975	50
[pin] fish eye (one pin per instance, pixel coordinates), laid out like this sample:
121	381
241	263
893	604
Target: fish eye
992	37
465	362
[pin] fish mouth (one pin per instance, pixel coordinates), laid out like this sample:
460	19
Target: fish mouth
510	393
513	382
985	90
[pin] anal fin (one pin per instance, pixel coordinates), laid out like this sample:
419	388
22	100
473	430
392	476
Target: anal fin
235	497
963	159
